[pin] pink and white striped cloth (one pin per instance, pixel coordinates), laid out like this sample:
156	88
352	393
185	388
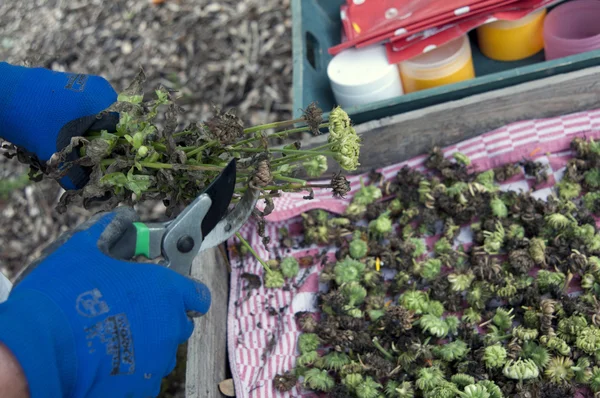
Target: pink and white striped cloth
262	330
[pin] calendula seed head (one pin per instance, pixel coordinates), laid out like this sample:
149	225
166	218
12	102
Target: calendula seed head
495	356
340	185
588	340
290	267
274	280
345	142
316	166
559	370
521	369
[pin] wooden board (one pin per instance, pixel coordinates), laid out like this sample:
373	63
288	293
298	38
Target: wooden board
398	138
207	348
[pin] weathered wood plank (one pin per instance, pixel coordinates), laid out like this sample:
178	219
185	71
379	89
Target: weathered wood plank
401	137
207	348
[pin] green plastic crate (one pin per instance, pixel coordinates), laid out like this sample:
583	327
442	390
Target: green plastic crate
316	27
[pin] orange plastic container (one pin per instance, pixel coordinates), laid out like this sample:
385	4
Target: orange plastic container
513	40
450	63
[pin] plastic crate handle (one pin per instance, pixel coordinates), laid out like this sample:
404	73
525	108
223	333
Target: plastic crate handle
313	51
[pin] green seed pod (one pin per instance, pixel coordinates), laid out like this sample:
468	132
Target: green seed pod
569	328
368	389
431	268
354	293
396	389
503	318
531	319
498	207
475	391
451	351
537	250
524	334
429	378
462	380
521	369
352	380
348	270
494	356
556	344
595	379
307	359
492	388
559	370
290	267
536	353
318	380
588	340
274	280
308	342
316	166
461	282
434	325
462	158
358	248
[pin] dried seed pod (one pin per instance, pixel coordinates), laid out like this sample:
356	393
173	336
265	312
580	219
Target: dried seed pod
313	116
225	127
262	176
340	185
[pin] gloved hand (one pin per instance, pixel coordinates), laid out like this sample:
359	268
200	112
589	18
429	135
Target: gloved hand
83	324
41	110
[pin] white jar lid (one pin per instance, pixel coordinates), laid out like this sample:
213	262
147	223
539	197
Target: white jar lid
358	71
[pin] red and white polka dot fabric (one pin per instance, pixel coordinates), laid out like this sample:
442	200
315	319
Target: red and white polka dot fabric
262	331
409	28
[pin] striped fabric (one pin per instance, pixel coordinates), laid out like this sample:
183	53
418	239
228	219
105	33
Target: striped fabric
262	331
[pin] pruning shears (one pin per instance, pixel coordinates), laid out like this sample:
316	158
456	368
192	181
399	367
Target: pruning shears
203	224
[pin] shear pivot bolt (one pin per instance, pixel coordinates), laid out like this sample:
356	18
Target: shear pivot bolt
185	244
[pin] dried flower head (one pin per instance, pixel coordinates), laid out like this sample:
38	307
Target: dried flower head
340	186
225	127
313	116
262	176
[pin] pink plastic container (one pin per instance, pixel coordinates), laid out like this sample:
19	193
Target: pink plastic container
572	28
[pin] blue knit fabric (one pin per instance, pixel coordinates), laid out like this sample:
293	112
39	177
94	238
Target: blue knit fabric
35	103
82	324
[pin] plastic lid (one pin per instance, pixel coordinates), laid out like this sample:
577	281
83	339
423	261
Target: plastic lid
356	71
440	61
505	25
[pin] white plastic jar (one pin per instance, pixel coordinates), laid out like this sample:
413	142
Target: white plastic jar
361	76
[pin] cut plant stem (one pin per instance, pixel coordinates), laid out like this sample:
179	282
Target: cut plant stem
247	245
385	353
274	125
157	165
299	151
201	148
278	134
290	179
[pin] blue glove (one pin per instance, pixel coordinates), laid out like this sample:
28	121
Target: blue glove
41	110
83	324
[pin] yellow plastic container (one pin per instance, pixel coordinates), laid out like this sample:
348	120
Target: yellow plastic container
450	63
513	40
